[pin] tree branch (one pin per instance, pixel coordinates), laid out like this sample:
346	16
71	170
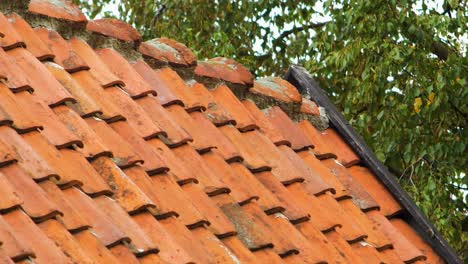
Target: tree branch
295	30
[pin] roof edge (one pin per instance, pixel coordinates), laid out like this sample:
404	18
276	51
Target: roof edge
303	81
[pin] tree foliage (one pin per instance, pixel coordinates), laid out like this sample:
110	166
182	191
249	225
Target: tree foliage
396	69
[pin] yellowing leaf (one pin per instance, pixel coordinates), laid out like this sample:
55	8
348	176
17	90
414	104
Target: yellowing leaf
430	98
417	105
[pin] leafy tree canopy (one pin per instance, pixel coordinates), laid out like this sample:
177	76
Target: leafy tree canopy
397	69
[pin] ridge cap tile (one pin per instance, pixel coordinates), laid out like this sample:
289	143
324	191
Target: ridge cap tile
115	28
224	69
165	50
59	9
276	88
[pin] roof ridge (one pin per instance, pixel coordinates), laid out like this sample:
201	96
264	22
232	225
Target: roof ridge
68	20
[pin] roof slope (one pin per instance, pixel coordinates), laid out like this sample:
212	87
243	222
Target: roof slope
113	150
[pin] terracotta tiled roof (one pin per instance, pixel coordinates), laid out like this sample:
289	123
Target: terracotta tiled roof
114	156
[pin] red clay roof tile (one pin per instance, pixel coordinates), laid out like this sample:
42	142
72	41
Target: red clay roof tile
215	112
126	192
250	231
218	252
239	190
316	165
215	138
388	205
173	134
145	184
114	28
12	75
135	115
178	203
140	244
92	184
57	233
135	85
36	202
349	228
292	208
54	159
27	158
268	255
224	69
54	130
288	128
124	254
390	256
219	223
313	183
366	252
152	162
265	126
201	138
45	86
250	156
11	38
165	96
92	146
242	253
59	9
94	248
310	252
71	218
375	238
9	199
416	240
343	248
33	43
91	87
106	230
345	155
170	250
194	163
123	153
186	240
12	245
45	250
360	196
97	67
276	88
407	251
267	201
85	105
22	120
244	120
169	80
176	167
165	50
322	148
65	56
319	216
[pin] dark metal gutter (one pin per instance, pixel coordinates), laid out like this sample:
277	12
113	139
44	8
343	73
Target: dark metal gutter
304	82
